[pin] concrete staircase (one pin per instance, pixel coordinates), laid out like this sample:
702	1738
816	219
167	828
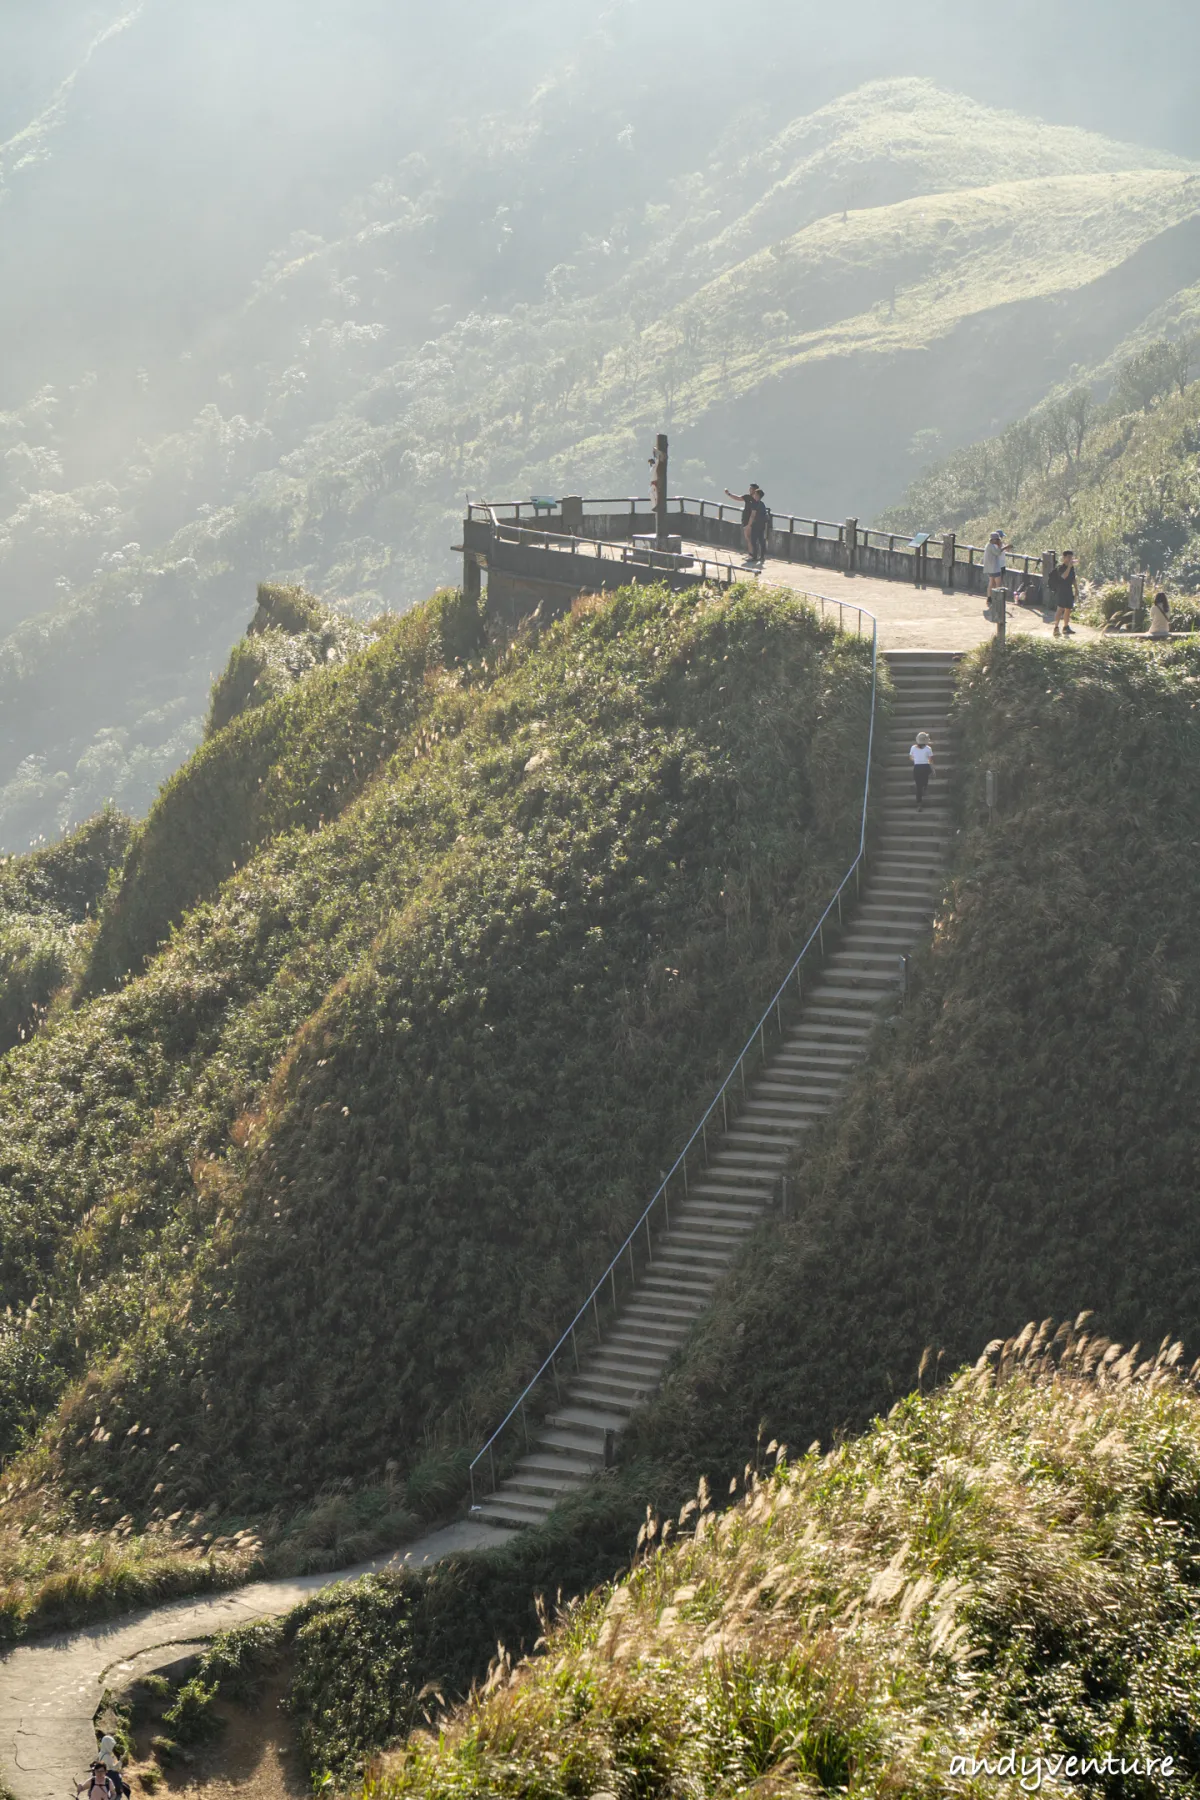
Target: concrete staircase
796	1086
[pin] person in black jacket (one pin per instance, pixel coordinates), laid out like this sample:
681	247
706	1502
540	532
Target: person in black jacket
755	520
1064	590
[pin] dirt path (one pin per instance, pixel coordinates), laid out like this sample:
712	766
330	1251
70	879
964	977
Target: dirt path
49	1691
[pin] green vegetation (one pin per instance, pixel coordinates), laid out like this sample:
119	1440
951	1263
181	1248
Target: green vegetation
1115	481
1002	1568
48	900
1021	1142
330	437
288	1214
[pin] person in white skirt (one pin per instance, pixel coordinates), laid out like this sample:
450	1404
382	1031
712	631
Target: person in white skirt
921	758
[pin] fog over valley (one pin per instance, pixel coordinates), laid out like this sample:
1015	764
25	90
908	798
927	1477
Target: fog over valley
282	283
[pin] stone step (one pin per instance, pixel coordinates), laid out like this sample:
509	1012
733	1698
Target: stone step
871	978
601	1387
644	1331
721	1185
813	1068
714	1195
683	1298
791	1098
540	1462
539	1482
842	998
507	1515
656	1311
923	888
695	1253
593	1419
586	1445
732	1164
774	1131
614	1357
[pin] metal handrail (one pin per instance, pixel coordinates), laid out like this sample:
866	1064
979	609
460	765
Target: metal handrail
757	1036
824	529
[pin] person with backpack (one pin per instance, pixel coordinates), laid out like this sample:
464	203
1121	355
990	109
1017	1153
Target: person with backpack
112	1763
1064	590
98	1785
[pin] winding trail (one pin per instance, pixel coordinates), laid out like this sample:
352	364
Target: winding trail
49	1690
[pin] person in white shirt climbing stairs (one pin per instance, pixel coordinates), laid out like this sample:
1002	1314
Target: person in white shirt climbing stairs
921	757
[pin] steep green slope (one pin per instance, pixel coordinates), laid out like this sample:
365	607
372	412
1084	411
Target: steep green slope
900	261
308	1196
1106	467
290	756
1003	1570
1023	1140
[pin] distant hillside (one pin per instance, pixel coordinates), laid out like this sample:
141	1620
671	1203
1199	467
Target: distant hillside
1106	466
815	304
297	1206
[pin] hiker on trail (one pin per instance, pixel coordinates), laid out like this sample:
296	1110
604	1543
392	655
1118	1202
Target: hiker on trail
1064	591
751	504
98	1785
921	758
995	562
112	1764
1160	616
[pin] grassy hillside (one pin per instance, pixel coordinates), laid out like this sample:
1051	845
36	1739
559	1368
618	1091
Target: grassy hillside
1022	1140
1002	1569
899	262
300	1204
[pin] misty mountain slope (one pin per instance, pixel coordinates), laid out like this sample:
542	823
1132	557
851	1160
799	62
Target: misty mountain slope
1106	465
803	300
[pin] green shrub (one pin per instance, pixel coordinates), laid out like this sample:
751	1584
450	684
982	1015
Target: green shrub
192	1715
45	898
35	960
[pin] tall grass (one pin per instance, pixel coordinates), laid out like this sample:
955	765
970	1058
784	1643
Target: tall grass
1003	1567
